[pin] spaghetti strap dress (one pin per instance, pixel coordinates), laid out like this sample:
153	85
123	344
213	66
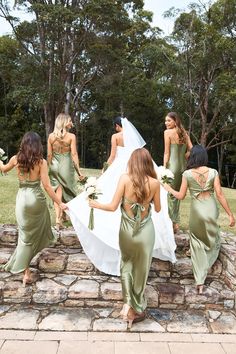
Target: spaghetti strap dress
203	227
62	172
177	165
136	241
34	225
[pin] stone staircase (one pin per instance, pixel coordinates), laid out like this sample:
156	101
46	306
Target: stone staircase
65	279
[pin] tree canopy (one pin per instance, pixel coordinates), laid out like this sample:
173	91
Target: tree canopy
96	59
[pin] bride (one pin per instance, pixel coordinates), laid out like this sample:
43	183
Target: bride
101	244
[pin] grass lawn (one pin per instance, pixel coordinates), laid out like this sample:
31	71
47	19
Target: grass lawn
9	187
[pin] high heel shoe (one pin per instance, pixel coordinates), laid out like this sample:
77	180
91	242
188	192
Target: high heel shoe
200	289
124	311
26	280
134	317
176	228
59	225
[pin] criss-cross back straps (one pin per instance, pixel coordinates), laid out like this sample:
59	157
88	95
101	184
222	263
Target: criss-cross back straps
201	180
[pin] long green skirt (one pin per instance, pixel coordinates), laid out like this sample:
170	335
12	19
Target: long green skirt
34	226
136	256
62	173
177	165
204	236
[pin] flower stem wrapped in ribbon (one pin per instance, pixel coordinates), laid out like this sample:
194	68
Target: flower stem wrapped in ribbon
165	175
92	192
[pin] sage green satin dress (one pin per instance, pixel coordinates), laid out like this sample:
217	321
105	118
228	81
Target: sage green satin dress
203	227
34	226
177	165
62	173
136	241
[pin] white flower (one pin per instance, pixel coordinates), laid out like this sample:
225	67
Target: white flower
2	152
164	175
91	181
90	190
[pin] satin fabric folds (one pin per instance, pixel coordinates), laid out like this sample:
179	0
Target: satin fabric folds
136	240
34	226
101	244
177	165
203	227
62	173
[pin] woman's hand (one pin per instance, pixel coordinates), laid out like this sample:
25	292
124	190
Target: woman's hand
63	206
231	220
93	203
166	186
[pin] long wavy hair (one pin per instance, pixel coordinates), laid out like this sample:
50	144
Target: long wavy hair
198	157
60	125
182	134
140	166
30	152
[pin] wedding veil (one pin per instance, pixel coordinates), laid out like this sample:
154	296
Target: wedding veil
132	139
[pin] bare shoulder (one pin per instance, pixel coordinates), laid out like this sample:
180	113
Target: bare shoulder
13	160
51	137
168	133
154	182
125	177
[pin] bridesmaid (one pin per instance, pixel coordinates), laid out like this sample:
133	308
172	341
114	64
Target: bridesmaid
32	214
62	161
204	230
177	147
136	191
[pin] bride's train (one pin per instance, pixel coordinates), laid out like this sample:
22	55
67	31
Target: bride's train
101	244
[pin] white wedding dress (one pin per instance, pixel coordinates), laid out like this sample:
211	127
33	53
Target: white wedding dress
101	244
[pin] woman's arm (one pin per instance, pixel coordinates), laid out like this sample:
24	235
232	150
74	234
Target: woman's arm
49	150
182	192
113	150
220	196
116	198
47	185
156	198
189	147
74	153
167	148
9	166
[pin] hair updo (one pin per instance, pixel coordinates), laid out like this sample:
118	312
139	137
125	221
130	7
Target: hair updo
117	121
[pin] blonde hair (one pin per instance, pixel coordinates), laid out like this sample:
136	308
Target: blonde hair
140	166
60	125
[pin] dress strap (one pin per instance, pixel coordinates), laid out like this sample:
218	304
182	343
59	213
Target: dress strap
137	210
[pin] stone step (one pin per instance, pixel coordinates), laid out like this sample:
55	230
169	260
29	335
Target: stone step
48	320
68	238
64	276
67	278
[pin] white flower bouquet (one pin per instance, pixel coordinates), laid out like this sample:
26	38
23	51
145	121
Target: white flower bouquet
92	192
3	157
164	175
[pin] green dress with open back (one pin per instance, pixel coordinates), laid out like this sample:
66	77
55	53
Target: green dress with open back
136	241
177	165
61	170
203	227
34	225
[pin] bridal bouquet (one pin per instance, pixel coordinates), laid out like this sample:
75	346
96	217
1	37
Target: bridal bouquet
92	192
2	153
3	157
165	175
